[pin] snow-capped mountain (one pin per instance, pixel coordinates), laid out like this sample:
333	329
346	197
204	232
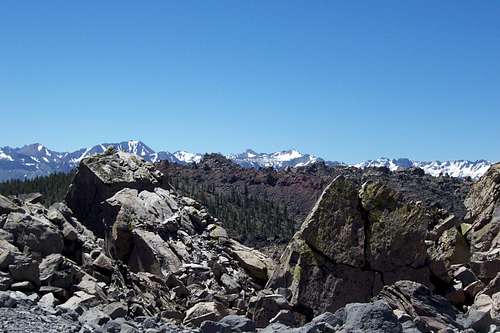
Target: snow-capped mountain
277	160
457	168
36	160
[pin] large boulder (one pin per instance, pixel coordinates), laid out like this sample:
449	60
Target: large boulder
431	311
129	210
204	311
152	254
375	317
483	204
7	206
34	233
255	263
355	240
100	177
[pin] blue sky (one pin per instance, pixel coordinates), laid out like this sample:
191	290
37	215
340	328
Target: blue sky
346	80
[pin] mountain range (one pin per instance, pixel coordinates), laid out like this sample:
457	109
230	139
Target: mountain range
37	160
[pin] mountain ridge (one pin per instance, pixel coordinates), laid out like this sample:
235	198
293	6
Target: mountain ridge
36	159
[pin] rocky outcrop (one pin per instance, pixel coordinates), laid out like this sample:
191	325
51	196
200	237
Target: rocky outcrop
142	257
100	177
483	203
124	247
355	240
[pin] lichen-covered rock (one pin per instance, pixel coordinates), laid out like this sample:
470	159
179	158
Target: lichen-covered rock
316	283
100	177
355	240
335	226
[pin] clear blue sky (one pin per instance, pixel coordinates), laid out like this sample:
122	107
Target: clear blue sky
346	80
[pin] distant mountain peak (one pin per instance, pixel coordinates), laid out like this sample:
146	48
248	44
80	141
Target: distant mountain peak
36	160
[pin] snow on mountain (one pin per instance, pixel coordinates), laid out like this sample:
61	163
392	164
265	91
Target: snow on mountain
187	157
4	156
277	160
457	168
37	160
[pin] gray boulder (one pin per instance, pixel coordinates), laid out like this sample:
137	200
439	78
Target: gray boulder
100	177
203	311
355	240
7	206
374	317
483	204
419	302
238	323
35	233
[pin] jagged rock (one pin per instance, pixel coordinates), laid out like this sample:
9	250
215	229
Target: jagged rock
152	254
10	299
354	241
48	301
479	315
59	293
100	177
443	225
317	284
493	286
433	311
374	317
397	230
104	263
495	310
25	269
488	268
204	311
230	284
217	232
238	323
7	206
69	232
254	262
483	203
115	310
94	318
209	326
35	233
335	226
450	249
265	307
23	286
58	271
78	299
465	275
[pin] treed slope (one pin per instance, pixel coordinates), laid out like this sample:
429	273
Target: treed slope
249	200
53	187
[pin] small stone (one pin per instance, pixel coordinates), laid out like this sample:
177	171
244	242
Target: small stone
23	286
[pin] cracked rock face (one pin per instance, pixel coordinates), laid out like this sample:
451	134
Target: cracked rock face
483	203
355	240
100	177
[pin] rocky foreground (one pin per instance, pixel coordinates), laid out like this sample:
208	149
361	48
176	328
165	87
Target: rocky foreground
125	254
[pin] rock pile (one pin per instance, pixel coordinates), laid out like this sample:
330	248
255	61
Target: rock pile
124	254
122	248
